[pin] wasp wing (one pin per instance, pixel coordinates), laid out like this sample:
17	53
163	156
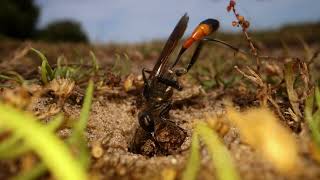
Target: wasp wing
170	45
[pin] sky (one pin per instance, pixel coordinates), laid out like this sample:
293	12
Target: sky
133	21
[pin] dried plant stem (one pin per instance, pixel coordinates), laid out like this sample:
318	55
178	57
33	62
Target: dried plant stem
265	90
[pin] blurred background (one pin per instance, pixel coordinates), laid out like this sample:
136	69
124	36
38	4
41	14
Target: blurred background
127	21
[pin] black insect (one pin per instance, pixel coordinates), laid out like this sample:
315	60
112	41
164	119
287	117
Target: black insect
156	131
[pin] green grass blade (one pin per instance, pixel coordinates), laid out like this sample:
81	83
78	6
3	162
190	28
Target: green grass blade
45	67
18	78
317	96
59	62
193	165
53	152
33	173
220	156
126	65
15	151
54	124
84	114
11	147
6	77
44	73
77	138
94	61
9	144
116	65
312	119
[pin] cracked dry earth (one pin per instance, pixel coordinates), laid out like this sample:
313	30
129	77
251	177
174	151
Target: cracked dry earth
112	125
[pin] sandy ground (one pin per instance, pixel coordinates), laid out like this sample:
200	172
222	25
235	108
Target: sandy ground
112	126
113	122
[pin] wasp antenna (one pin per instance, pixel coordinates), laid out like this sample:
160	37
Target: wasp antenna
224	43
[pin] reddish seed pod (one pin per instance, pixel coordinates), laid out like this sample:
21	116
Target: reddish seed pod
240	18
246	24
234	23
232	3
229	8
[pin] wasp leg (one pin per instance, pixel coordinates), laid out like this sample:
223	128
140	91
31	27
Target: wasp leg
169	136
144	76
182	71
195	55
164	113
143	143
146	88
170	82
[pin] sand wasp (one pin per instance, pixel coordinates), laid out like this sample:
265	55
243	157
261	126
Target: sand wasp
156	130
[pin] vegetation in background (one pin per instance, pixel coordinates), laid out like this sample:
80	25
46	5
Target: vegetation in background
63	31
18	18
122	65
76	72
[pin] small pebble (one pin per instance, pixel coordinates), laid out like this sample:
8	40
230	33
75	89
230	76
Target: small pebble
173	161
97	150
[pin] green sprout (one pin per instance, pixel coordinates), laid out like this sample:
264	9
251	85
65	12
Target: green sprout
74	72
46	70
95	63
121	65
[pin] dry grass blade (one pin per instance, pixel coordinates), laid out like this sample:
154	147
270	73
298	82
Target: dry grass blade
315	56
264	92
292	95
253	76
